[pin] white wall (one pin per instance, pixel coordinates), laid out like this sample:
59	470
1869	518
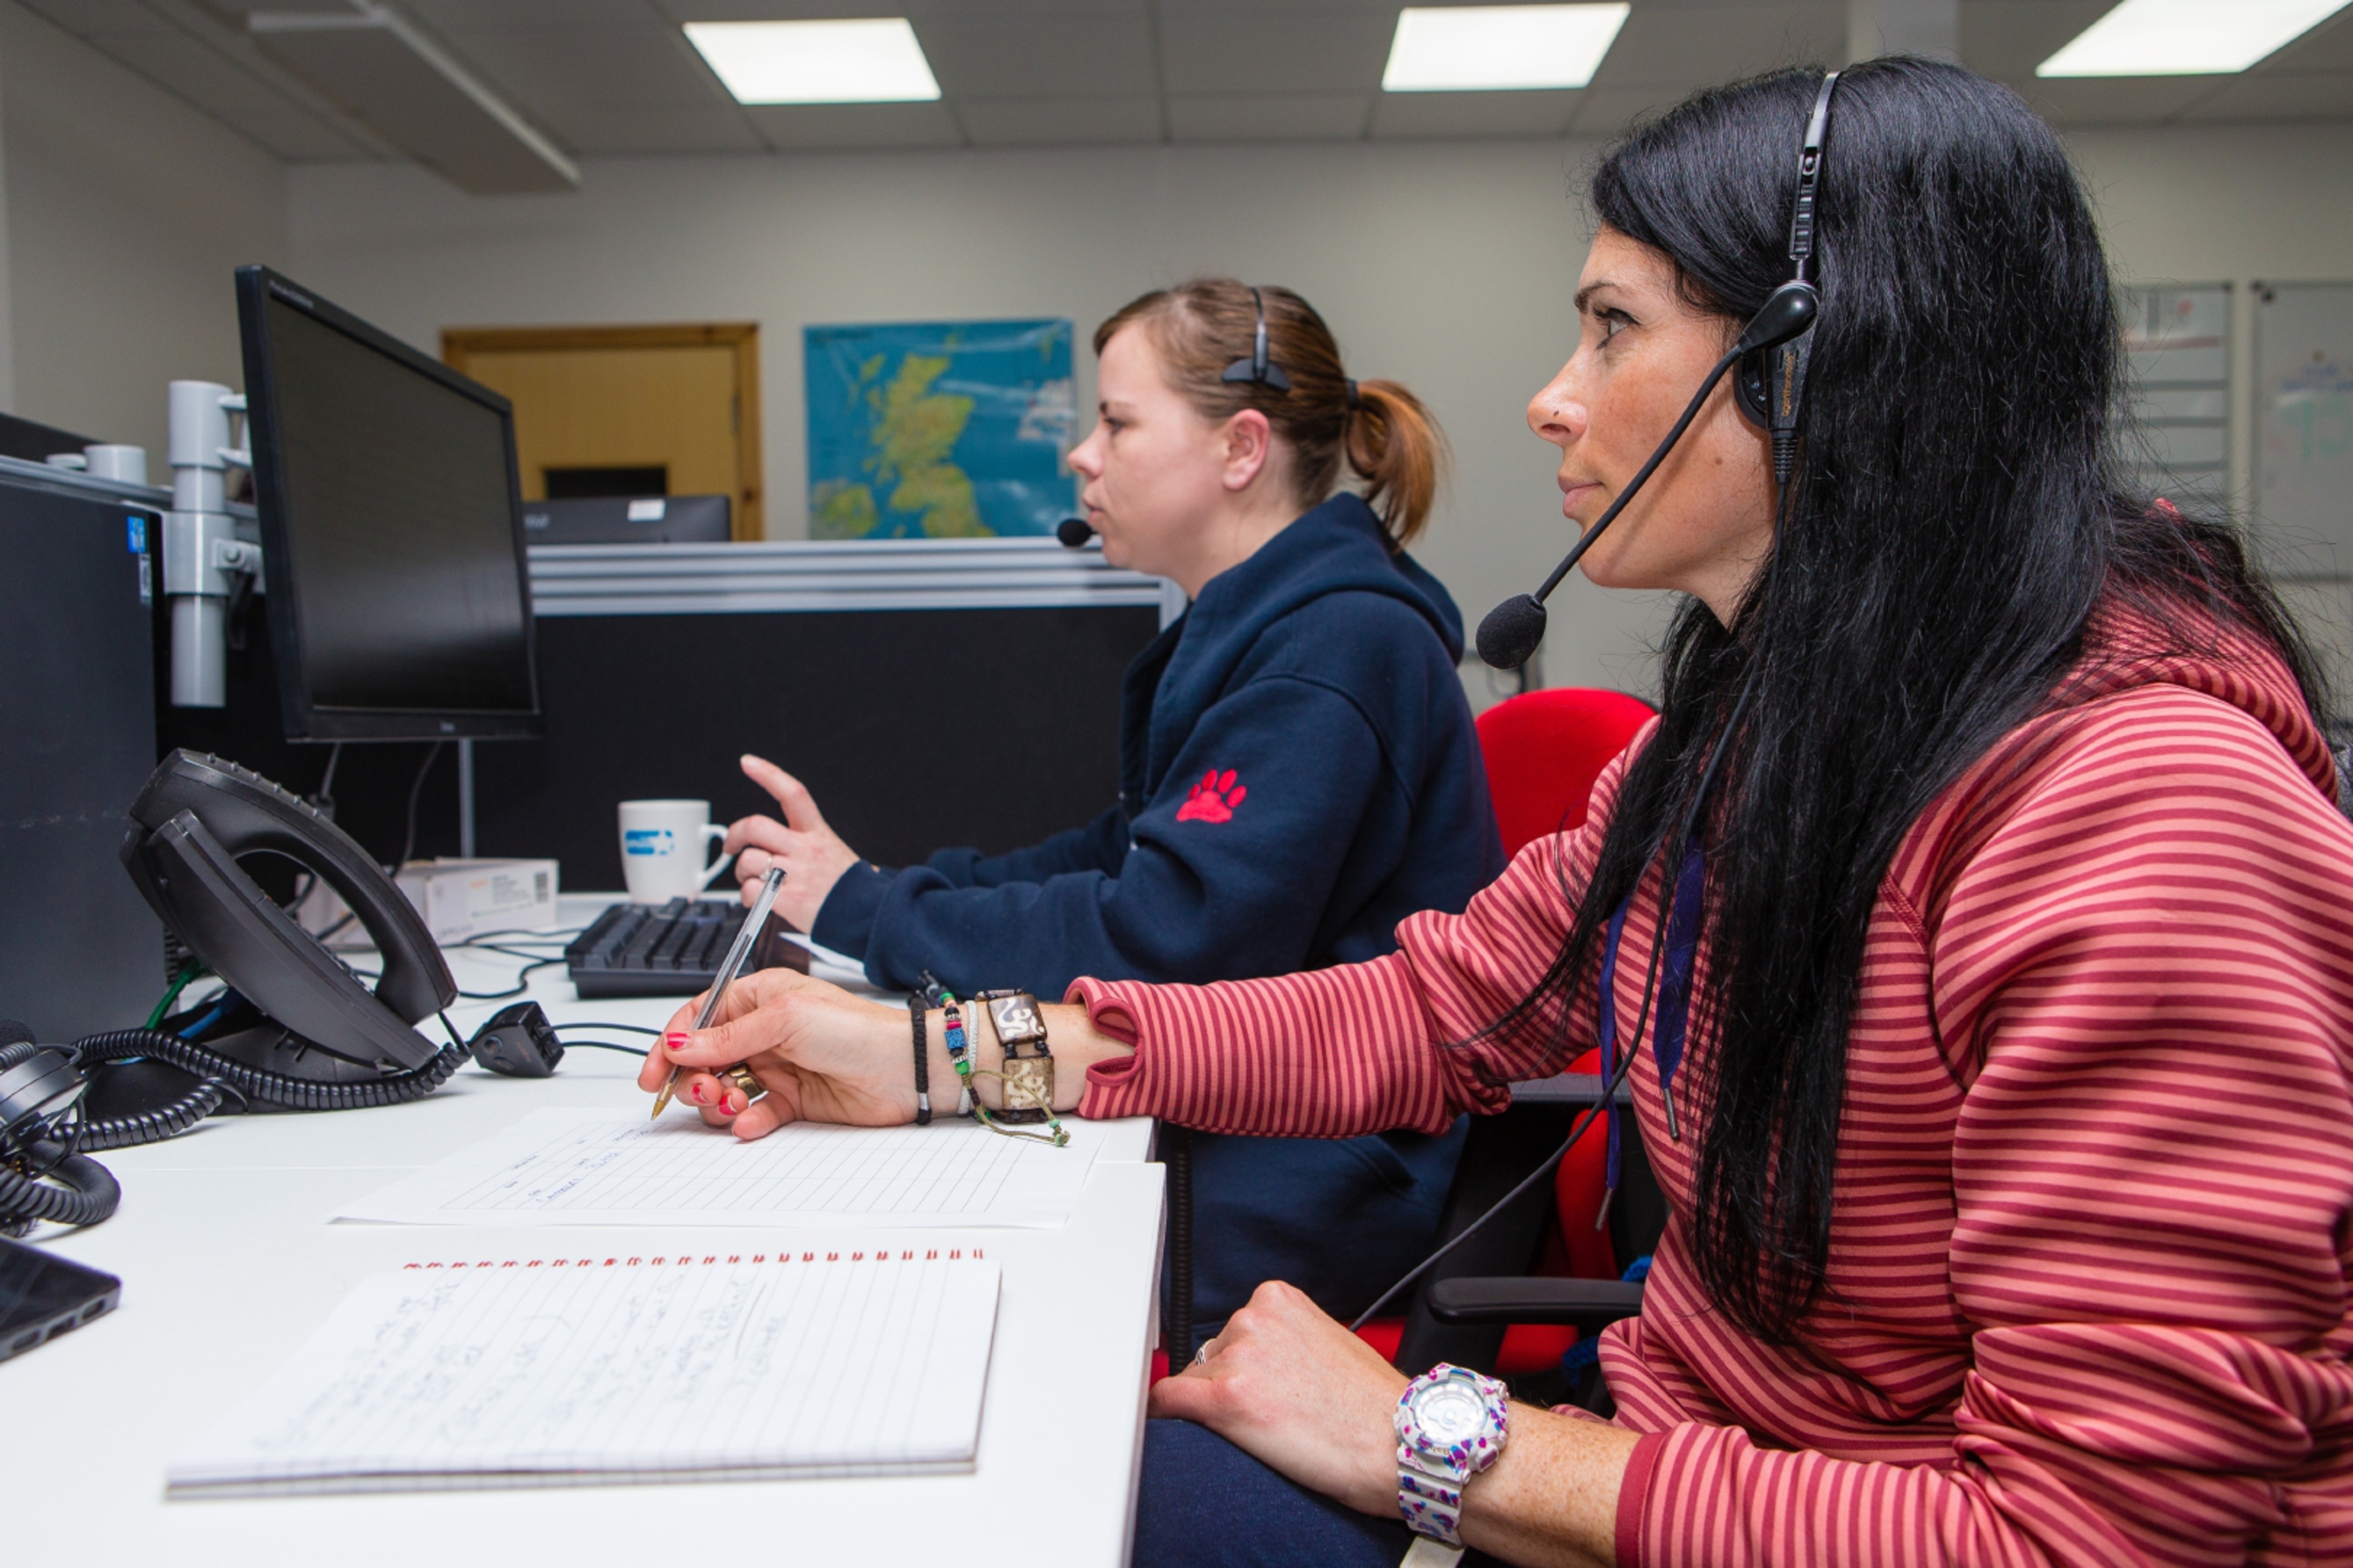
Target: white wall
126	212
1447	267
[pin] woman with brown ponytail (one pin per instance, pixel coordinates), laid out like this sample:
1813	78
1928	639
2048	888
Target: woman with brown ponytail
1298	769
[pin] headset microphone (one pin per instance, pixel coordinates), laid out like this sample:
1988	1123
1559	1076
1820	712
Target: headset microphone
1073	531
1769	389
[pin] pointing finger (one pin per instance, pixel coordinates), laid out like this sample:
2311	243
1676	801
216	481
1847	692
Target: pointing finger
800	809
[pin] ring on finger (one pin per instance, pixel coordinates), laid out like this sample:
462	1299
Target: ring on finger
748	1080
1201	1357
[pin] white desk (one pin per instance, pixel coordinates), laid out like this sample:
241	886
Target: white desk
227	1261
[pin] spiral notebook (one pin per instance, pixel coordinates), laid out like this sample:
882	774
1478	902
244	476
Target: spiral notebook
678	1366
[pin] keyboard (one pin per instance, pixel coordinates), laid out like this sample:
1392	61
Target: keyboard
670	949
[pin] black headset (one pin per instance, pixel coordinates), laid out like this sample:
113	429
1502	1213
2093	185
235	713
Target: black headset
1258	367
1770	390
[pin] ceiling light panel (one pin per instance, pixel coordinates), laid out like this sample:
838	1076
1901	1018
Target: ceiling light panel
2187	37
1499	49
866	60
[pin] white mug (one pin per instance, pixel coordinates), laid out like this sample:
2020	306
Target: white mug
661	848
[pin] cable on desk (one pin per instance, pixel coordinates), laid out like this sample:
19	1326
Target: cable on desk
270	1087
522	984
600	1024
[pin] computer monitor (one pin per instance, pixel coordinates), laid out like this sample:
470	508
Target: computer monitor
399	590
629	519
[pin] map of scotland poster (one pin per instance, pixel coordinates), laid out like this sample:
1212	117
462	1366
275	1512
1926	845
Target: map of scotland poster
939	430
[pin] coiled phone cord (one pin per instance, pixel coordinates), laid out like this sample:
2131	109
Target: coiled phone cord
260	1085
87	1193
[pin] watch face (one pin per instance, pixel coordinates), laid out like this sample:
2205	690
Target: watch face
1451	1413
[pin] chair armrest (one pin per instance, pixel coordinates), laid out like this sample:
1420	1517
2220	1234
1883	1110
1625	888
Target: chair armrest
1589	1304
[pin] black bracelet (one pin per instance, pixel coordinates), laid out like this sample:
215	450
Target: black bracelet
918	1014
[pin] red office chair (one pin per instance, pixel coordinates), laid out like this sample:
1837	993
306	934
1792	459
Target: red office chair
1543	752
1545	749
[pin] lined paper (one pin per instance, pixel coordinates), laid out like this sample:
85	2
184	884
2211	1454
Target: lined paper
586	1370
615	1167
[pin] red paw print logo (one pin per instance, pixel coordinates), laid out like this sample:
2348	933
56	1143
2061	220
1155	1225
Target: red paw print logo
1213	799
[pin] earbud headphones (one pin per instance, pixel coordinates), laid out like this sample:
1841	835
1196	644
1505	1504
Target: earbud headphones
1258	367
1772	352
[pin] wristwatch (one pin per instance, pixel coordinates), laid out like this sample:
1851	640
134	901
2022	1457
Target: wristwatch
1029	1078
1451	1425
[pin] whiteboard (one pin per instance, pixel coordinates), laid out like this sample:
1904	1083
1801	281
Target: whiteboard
2303	427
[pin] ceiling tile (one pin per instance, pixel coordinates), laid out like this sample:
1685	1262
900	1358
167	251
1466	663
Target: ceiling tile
1038	56
2114	101
2328	47
918	11
1700	45
2275	96
1017	121
1607	110
1396	114
621	132
193	70
2006	39
804	125
620	67
453	17
1270	117
295	134
1385	10
1254	52
83	18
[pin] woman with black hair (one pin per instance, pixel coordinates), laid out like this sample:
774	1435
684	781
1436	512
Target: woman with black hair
2009	1144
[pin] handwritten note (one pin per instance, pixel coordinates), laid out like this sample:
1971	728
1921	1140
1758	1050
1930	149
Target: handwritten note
596	1167
671	1366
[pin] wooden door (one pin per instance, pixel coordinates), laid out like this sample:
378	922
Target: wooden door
683	400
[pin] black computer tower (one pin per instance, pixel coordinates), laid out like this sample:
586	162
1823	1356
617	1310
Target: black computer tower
79	950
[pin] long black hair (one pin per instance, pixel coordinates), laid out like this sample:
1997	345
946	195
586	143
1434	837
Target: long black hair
1957	512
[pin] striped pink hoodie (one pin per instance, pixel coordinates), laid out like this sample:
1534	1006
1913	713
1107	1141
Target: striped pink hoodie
2088	1297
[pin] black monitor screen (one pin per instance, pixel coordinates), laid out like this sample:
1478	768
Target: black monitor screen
391	486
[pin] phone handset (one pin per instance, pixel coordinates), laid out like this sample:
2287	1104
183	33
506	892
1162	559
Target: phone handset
197	815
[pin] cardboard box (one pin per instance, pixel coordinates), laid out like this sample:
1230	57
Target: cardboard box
459	898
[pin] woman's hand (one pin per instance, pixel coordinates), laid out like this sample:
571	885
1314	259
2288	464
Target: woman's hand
822	1054
812	854
1293	1388
1297	1390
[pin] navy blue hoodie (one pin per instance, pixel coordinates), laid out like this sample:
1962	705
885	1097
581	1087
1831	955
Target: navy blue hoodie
1299	772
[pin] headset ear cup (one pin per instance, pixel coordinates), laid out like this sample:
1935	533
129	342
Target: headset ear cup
1748	388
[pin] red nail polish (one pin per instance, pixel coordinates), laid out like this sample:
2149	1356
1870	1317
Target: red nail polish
673	1040
697	1092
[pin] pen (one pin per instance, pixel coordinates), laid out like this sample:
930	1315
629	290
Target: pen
737	952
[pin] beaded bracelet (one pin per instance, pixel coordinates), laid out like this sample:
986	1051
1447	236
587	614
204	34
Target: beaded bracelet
952	1016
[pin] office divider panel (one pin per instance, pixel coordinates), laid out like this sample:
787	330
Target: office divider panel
915	729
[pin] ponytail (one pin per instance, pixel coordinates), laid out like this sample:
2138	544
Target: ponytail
1387	436
1394	443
